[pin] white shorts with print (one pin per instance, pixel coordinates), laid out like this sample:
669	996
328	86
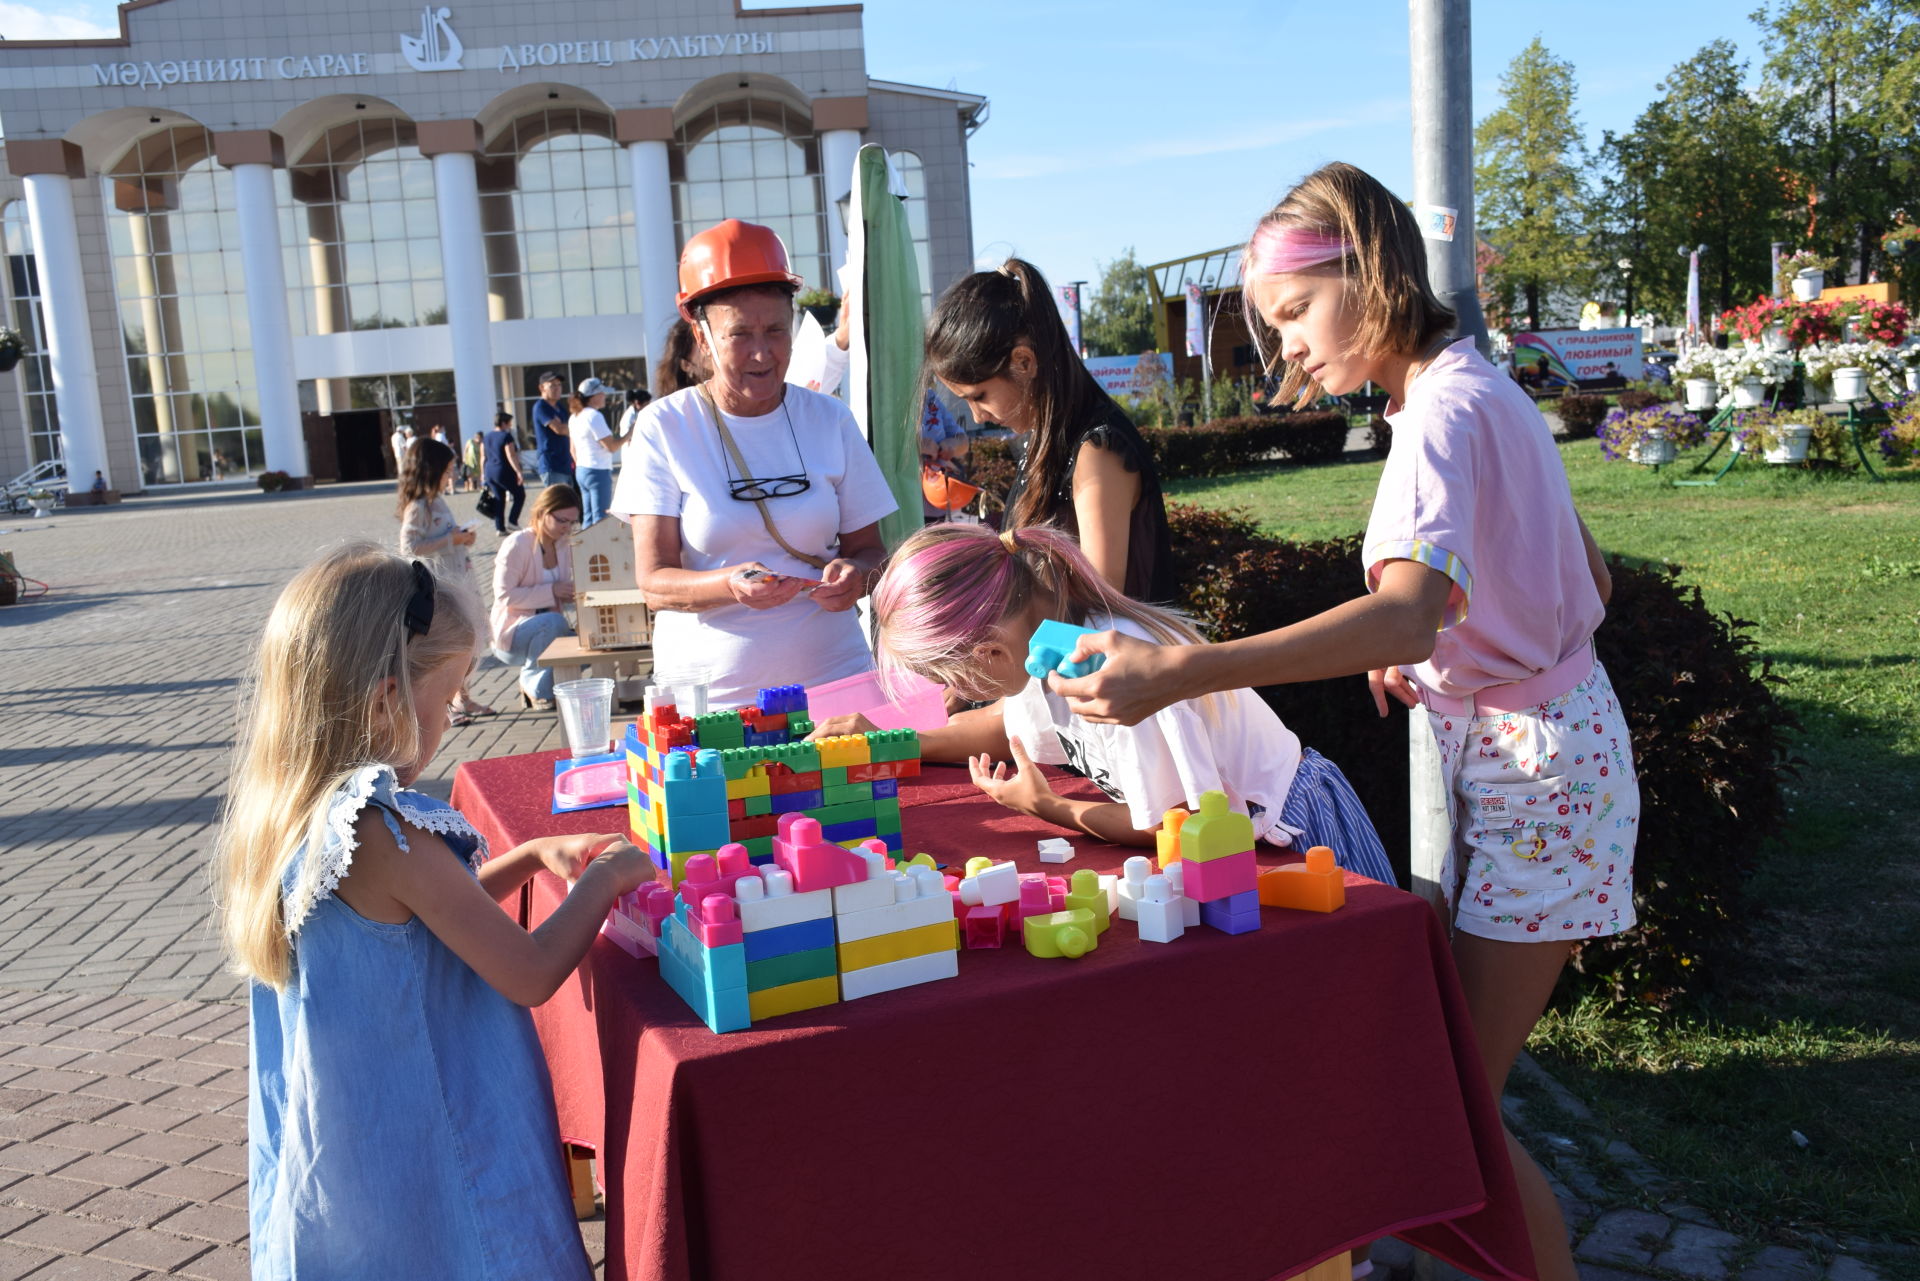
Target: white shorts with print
1545	806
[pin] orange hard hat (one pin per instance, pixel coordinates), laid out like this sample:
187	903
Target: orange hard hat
948	493
731	254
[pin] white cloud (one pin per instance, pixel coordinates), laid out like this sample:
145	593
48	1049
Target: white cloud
29	22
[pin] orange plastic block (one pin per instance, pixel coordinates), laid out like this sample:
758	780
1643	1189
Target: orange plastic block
1168	837
1313	886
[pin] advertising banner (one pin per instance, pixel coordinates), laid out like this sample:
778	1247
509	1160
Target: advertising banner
1134	376
1070	313
1563	357
1196	321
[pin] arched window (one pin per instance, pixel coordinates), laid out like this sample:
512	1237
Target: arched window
757	160
556	204
914	174
36	375
598	570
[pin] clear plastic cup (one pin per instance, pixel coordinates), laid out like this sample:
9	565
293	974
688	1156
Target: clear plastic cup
586	710
684	687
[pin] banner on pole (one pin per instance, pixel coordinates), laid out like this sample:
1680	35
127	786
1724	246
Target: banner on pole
1196	320
1069	299
1693	292
1566	357
1134	376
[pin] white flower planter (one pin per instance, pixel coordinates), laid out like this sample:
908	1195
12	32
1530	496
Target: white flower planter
1913	378
1775	339
1737	444
1793	449
1808	284
1850	384
1702	393
1654	451
42	504
1749	394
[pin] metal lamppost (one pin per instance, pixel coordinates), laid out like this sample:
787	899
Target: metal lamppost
1626	274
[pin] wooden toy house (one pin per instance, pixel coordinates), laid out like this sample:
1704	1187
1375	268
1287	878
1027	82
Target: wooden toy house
610	611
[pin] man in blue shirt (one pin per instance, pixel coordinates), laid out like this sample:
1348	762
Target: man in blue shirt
551	443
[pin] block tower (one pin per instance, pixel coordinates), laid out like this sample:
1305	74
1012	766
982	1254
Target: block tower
1217	867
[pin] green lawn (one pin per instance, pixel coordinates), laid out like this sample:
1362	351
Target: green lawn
1819	1033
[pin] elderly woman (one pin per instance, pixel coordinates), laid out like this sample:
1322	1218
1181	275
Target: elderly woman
755	504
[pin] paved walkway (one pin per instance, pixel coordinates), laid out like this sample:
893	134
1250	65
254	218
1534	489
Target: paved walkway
123	1043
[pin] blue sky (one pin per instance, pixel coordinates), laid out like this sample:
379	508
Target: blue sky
1171	125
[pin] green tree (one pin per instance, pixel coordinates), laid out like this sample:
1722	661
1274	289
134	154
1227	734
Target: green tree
1847	76
1528	193
1118	319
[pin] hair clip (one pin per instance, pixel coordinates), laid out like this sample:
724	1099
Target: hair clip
420	605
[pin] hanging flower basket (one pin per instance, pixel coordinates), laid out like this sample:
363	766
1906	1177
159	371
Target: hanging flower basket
1850	384
12	348
1809	284
1702	394
1794	438
1749	393
1653	450
1775	339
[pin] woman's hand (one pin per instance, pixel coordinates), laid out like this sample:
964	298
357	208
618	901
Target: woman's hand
842	584
465	537
1023	791
562	592
1391	680
855	723
567	856
757	587
1137	680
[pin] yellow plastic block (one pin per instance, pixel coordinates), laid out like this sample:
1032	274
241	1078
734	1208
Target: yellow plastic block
898	946
754	784
976	865
1168	837
841	750
790	998
918	860
1313	886
1217	831
679	860
1084	893
1060	933
580	1179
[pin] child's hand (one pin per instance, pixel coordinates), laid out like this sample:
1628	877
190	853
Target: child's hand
1137	680
1022	791
853	723
1391	680
566	856
627	864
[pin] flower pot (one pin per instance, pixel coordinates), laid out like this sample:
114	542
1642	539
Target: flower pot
1808	284
1775	339
1654	451
1737	443
1793	449
1749	393
1702	393
1913	378
42	504
1850	384
9	357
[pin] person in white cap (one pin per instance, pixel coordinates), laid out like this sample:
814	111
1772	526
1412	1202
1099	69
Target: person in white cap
593	446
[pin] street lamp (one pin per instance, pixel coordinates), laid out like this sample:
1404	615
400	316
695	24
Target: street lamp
1626	273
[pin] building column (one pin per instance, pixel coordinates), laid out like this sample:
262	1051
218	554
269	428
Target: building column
48	168
253	155
452	145
839	123
646	132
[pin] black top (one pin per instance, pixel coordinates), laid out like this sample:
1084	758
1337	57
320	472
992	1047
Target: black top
1149	549
495	443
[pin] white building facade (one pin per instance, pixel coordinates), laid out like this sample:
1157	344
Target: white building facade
240	241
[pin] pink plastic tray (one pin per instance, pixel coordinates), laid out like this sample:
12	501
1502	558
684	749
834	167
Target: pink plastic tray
924	708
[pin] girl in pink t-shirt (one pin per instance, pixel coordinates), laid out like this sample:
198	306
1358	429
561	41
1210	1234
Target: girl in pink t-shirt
1484	590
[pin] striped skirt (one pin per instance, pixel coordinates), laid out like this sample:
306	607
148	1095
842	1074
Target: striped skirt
1322	807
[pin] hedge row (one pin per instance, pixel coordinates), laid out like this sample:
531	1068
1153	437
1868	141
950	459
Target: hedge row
1708	734
1234	444
1581	412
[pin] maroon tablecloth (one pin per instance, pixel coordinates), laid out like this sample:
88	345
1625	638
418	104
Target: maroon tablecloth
1231	1108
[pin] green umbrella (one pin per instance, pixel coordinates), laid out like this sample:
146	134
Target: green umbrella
884	365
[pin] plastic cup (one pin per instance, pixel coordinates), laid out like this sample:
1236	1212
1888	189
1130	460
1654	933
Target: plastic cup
586	710
684	687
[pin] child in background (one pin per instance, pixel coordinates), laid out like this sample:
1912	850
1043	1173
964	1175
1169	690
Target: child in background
958	605
1485	591
400	1121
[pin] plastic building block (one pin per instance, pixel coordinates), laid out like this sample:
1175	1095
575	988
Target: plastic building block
895	975
791	967
976	865
842	751
697	831
714	921
791	998
1036	897
890	745
1176	875
769	901
1313	886
1158	911
874	886
757	805
1055	849
782	698
712	981
861	954
1060	934
991	886
1217	831
906	768
884	789
1085	893
783	940
1052	644
856	830
1133	885
716	873
814	863
985	926
1219	878
694	784
1234	914
1168	837
929	903
796	802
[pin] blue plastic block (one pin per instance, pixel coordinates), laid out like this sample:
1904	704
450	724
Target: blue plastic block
695	784
801	936
1234	914
793	801
712	981
886	789
697	831
837	832
782	698
892	841
660	860
1052	642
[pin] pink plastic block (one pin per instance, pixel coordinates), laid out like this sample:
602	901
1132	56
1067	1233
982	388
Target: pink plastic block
1036	899
1220	877
714	921
986	927
652	904
813	863
1057	892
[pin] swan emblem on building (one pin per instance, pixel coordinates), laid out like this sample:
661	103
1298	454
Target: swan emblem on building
436	48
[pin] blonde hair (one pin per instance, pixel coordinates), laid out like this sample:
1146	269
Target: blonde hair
311	716
1384	269
553	498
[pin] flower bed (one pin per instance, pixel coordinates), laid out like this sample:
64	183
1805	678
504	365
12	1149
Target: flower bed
1624	430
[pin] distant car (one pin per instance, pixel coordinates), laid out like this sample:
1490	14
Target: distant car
1659	365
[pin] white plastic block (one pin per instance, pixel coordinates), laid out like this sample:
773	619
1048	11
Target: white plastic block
895	975
767	901
1158	912
1056	849
1111	884
1189	908
996	885
878	890
1133	885
925	908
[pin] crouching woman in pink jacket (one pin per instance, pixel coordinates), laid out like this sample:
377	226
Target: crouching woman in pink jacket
532	580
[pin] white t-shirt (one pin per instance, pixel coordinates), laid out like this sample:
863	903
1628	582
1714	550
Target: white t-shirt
676	466
1171	757
588	428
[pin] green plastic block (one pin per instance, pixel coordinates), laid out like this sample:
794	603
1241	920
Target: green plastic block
893	745
848	793
759	846
758	806
720	730
738	762
847	813
832	777
798	726
794	967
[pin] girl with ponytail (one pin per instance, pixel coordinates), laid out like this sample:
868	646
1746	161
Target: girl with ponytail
958	604
997	342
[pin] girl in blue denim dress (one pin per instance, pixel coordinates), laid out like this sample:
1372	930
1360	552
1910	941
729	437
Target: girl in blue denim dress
400	1119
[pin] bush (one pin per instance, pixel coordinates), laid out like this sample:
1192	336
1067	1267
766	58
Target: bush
990	465
1379	436
1708	735
1234	444
1635	399
273	481
1580	414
